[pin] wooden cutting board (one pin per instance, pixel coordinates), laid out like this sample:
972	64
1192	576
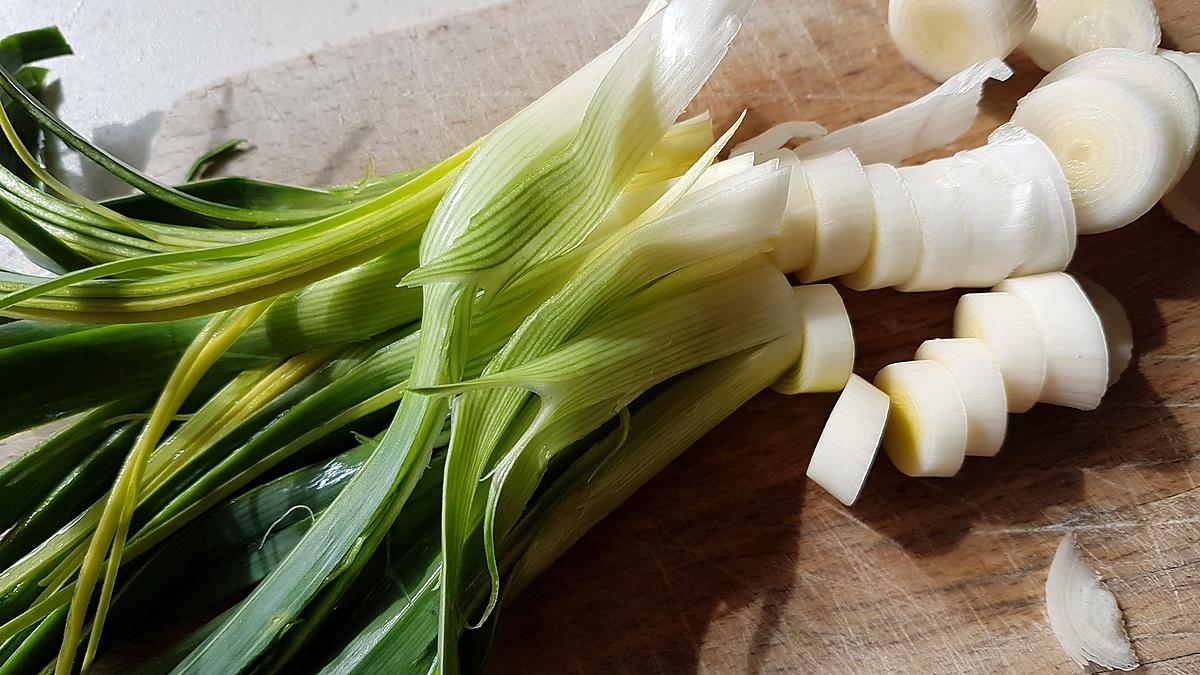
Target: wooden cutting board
731	561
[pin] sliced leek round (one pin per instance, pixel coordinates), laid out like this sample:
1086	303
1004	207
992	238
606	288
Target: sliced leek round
793	248
1065	29
1076	351
1008	326
845	215
1183	202
1158	79
896	244
977	375
942	37
1004	219
827	359
944	236
1029	161
926	433
846	449
1118	331
1114	146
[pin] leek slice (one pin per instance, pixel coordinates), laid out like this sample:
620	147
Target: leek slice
827	360
845	216
1067	28
1010	329
846	449
926	433
941	37
977	376
945	239
1118	331
896	242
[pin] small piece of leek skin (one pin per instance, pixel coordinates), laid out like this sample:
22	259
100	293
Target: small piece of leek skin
1113	144
846	449
1083	613
827	360
930	122
1156	78
977	376
1076	350
845	216
896	241
1067	28
926	432
941	37
945	242
1010	329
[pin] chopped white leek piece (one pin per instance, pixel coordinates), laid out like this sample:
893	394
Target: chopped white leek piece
930	122
793	248
827	359
926	432
1083	613
777	137
1027	159
1114	146
1008	326
848	444
1076	351
1004	218
944	237
1158	79
1067	28
1118	331
896	244
1183	203
977	374
845	215
941	37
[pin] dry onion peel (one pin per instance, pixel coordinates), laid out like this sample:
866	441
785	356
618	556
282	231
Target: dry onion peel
1083	613
846	449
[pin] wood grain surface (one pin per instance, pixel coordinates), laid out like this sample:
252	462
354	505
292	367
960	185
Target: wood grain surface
730	561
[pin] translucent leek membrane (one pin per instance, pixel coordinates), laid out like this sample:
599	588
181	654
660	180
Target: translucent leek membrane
945	242
926	432
845	215
1159	80
827	360
1114	146
977	375
1010	329
1034	172
930	122
1065	29
1073	335
848	444
941	37
896	242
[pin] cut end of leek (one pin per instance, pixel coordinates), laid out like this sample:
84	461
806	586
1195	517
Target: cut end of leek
845	216
977	375
827	359
1009	328
945	241
1084	614
1113	144
1073	336
1118	331
848	444
941	37
926	432
896	242
1065	29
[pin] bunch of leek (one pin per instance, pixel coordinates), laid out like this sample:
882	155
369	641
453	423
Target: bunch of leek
593	295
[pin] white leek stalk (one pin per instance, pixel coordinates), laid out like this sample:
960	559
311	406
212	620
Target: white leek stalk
1067	28
977	375
1083	613
1004	218
896	244
845	216
941	37
944	238
1076	351
926	431
1118	331
1008	326
930	122
793	248
1157	79
1029	161
1183	203
827	359
1114	146
846	449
